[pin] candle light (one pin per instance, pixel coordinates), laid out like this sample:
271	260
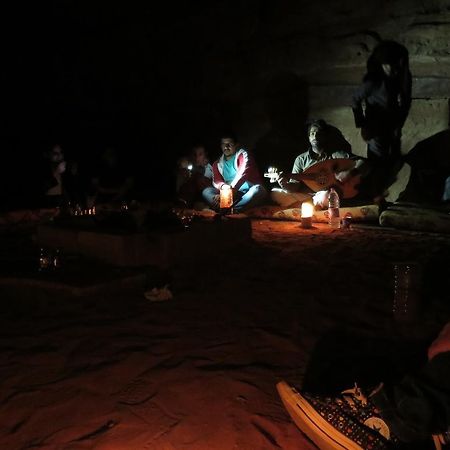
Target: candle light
226	198
306	214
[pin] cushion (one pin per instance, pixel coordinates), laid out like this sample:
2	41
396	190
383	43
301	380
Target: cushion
364	213
416	218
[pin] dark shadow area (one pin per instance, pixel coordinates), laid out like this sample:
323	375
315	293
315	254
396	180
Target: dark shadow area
286	103
341	358
430	166
436	274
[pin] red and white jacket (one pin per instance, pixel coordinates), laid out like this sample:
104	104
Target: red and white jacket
246	170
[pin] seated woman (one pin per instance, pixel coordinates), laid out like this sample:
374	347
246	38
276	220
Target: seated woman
194	174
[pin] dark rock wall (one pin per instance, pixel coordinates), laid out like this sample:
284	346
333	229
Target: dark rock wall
152	78
280	62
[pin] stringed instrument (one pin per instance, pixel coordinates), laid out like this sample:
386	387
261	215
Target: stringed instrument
321	176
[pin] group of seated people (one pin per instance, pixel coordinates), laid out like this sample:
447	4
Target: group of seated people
62	183
327	162
200	181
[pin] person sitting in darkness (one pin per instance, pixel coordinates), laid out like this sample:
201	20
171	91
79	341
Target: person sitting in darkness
112	183
413	413
53	168
193	176
326	142
429	181
75	184
236	168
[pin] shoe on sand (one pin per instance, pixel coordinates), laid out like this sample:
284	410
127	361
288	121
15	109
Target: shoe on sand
347	422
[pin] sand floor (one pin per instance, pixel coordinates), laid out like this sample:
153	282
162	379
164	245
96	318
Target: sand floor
114	371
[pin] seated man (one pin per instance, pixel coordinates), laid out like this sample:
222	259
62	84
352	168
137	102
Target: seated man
112	183
194	174
411	414
323	147
235	168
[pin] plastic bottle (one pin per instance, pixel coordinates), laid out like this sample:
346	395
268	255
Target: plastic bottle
334	219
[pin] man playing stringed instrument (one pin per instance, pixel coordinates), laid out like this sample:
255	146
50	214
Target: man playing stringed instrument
327	163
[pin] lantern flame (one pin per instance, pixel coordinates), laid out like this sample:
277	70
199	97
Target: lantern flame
307	209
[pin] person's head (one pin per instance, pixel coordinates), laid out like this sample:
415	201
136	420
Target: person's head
228	144
388	59
55	155
110	157
317	134
72	167
199	155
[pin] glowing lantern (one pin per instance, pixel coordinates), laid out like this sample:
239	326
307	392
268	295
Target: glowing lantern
306	214
226	197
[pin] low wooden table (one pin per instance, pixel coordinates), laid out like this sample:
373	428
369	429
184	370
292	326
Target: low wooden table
203	239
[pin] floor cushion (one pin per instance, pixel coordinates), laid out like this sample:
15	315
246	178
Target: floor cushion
416	217
363	213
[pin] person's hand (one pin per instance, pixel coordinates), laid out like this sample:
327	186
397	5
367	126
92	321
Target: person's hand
441	344
342	176
283	180
216	201
366	134
320	199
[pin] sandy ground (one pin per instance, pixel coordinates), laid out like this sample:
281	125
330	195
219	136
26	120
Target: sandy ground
113	371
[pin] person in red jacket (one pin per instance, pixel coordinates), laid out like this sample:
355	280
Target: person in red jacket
236	168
